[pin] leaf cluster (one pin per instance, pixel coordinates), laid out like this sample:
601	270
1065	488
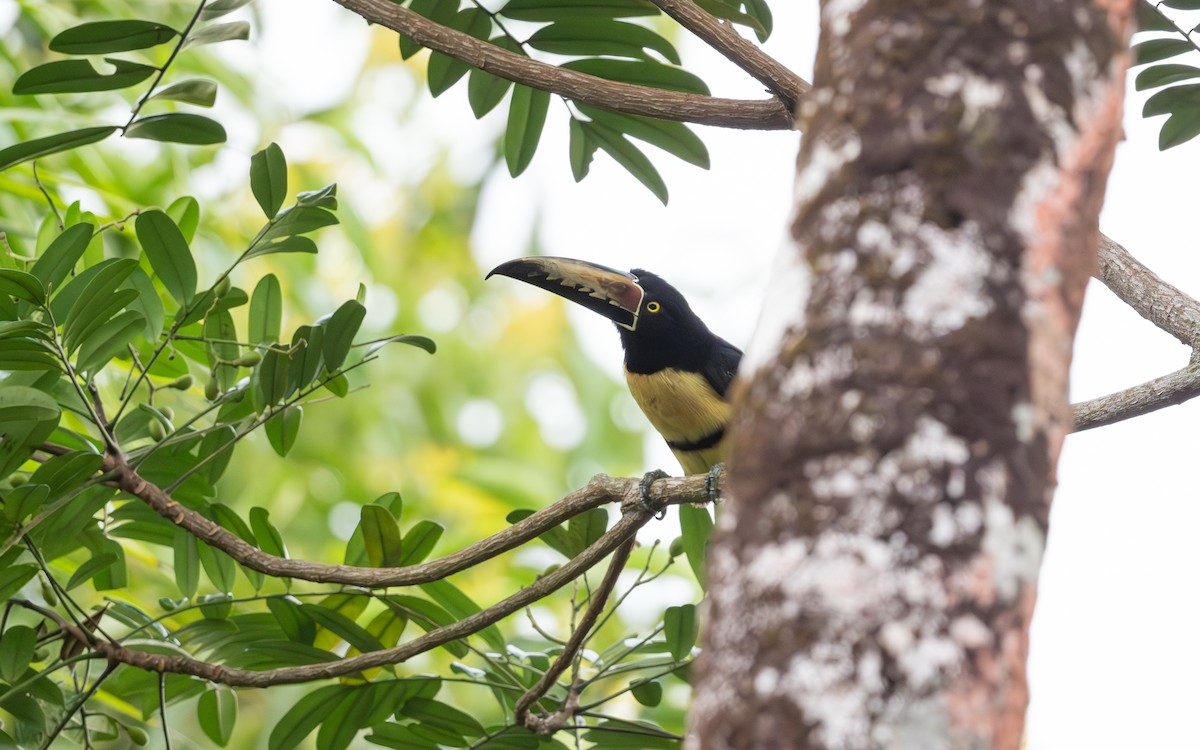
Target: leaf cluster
1181	103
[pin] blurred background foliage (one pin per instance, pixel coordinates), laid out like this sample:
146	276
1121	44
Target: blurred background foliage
508	414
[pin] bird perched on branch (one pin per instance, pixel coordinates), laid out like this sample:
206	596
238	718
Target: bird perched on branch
677	370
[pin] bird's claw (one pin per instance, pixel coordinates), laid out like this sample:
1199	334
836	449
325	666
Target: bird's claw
710	482
644	492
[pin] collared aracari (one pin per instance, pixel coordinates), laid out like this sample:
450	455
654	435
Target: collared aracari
677	370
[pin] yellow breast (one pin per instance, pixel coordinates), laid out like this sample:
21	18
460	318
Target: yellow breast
682	406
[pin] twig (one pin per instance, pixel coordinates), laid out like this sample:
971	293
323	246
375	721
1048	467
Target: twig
759	114
1156	300
778	78
554	722
1168	390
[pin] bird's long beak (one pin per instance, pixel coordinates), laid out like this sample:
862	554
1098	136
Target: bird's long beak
614	294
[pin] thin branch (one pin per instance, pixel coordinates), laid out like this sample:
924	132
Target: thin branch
1168	390
721	36
764	114
600	490
1156	300
634	517
554	722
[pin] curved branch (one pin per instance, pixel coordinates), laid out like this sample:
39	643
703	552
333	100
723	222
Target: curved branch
634	517
778	78
1156	300
1168	390
600	490
765	114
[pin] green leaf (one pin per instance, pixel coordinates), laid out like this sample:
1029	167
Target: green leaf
13	577
381	536
218	32
178	127
526	117
339	730
630	157
270	380
761	12
285	245
307	356
24	286
340	330
217	713
22	502
696	526
220	8
283	428
168	253
185	212
268	179
437	714
648	693
108	341
586	528
147	303
90	286
601	37
582	149
1179	128
460	606
17	646
1153	50
229	519
295	624
1151	18
219	567
421	342
90	568
673	137
268	537
266	311
78	76
571	10
629	735
1161	75
1182	4
338	386
198	91
484	90
20	403
343	627
102	37
730	12
187	563
23	354
52	144
419	542
444	71
65	472
680	630
641	72
62	254
80	328
1172	100
305	716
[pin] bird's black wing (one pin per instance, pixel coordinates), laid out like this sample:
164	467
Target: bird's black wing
721	365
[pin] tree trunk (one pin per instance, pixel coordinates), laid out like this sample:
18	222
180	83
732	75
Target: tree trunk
873	575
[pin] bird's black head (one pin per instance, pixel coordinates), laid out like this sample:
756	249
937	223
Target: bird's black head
668	333
657	326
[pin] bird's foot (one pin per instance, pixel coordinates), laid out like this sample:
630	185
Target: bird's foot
644	487
710	482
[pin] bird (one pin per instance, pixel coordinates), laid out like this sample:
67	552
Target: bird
678	371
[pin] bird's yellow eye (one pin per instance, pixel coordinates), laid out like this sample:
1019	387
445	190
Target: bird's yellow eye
653	307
